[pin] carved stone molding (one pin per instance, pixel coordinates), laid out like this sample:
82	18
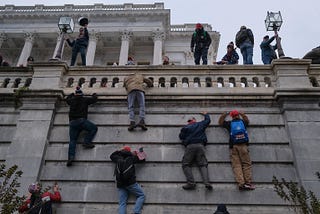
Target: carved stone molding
3	37
158	35
126	35
28	36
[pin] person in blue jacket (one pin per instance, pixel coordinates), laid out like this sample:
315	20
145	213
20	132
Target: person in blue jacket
79	45
267	50
194	138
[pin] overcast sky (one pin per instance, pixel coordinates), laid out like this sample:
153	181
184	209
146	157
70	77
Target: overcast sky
300	30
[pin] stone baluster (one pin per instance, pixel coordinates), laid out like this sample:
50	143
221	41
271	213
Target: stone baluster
94	37
158	37
124	51
26	51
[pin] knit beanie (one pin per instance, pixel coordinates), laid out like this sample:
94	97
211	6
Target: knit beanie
126	148
78	91
234	113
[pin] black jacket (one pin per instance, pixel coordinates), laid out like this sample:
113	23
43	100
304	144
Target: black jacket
200	39
79	105
122	154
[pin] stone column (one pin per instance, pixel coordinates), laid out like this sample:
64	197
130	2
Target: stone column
60	36
26	51
28	146
124	51
3	37
91	50
158	37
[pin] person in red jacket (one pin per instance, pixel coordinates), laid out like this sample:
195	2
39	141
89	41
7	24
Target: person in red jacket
38	202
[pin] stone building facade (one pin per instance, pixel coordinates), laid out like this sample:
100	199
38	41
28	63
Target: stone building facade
143	31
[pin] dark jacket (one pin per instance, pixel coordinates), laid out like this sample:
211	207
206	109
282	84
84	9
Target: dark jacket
122	154
81	41
268	51
195	132
200	39
79	105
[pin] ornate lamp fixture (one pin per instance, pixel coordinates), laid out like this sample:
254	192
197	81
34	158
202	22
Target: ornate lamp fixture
66	25
273	22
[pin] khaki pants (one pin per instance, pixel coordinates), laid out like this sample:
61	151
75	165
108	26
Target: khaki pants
241	163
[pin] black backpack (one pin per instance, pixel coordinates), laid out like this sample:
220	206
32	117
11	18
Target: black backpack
241	36
124	170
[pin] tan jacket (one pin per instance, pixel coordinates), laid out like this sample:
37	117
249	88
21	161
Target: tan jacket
135	82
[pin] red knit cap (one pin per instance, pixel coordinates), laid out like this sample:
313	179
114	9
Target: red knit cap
126	148
234	113
198	26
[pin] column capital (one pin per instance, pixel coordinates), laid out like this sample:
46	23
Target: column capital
95	35
158	35
29	36
126	35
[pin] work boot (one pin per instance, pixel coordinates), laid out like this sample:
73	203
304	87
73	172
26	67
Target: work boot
142	125
132	126
189	186
88	145
69	161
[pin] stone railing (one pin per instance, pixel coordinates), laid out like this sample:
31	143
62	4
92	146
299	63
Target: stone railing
59	76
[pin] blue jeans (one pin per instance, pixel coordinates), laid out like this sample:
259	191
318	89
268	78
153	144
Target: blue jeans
75	50
246	49
124	194
139	96
75	127
201	52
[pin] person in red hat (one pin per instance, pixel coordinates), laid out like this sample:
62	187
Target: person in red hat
238	144
39	202
126	178
200	43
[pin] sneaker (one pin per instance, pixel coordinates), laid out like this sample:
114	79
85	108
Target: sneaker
208	186
142	125
189	186
132	126
247	187
88	145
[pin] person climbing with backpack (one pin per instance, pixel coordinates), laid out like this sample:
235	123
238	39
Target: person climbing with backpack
124	172
238	144
200	43
245	41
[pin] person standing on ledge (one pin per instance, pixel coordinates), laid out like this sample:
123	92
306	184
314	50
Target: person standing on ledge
80	44
245	41
200	43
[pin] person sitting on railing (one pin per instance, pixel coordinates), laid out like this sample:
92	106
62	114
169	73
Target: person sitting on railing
231	56
79	45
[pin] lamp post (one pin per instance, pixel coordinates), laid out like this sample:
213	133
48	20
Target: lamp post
66	25
273	22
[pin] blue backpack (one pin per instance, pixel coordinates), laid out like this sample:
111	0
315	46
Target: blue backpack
238	133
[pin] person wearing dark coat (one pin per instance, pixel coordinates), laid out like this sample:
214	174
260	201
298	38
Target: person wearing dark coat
194	139
200	43
79	45
128	185
267	50
78	121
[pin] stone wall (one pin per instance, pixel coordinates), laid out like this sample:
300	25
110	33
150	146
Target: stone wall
280	101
